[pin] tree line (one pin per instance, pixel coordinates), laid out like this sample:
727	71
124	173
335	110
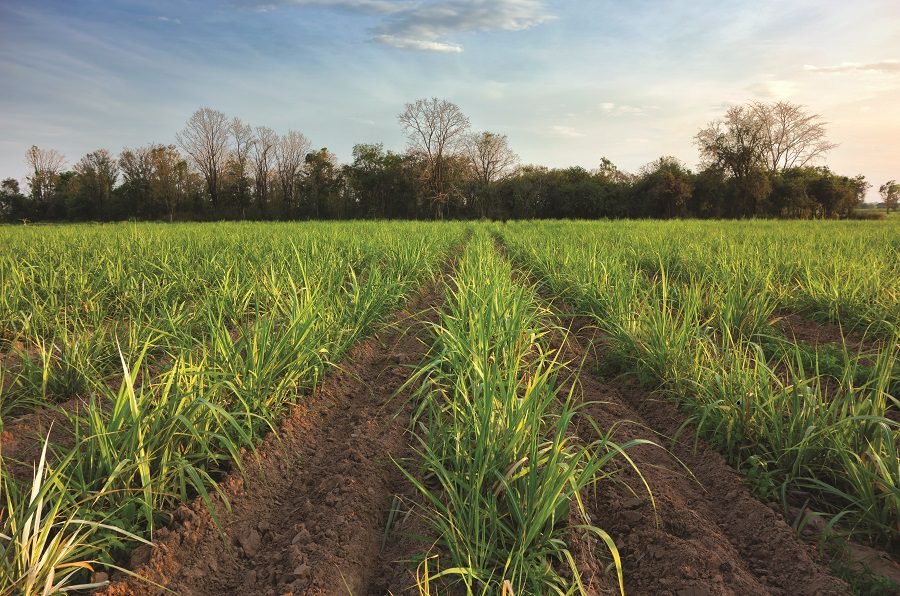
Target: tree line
758	160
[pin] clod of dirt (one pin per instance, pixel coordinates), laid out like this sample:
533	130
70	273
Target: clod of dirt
249	542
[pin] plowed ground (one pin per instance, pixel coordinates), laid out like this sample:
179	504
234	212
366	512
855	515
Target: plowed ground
311	517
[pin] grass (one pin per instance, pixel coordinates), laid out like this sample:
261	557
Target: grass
498	469
44	544
212	339
187	343
694	329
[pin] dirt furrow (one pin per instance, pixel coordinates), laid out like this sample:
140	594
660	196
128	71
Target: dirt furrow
799	328
311	516
709	535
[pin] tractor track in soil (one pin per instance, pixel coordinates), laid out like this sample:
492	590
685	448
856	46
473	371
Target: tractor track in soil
708	535
310	517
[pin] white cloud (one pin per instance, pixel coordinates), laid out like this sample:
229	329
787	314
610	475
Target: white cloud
608	107
424	45
774	88
567	131
885	66
426	25
165	19
438	19
363	6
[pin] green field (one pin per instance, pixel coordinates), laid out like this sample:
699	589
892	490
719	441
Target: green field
155	357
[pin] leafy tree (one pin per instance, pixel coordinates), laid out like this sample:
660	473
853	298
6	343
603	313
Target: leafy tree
171	182
136	167
382	183
92	187
789	196
322	184
12	201
890	194
665	187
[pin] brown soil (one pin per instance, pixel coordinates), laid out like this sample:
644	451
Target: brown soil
709	534
802	329
311	516
23	439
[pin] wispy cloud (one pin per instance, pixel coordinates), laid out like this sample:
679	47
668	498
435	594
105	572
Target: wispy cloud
567	131
609	107
362	6
885	66
428	25
407	43
774	88
438	19
165	19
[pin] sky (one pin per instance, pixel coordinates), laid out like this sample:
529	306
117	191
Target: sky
568	81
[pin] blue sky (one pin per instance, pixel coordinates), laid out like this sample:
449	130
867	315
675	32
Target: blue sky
568	81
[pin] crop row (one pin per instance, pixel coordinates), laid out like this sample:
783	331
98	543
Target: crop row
498	470
225	368
836	272
73	299
700	332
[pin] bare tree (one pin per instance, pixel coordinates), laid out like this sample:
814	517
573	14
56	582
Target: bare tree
290	153
491	156
436	130
205	140
241	141
774	137
491	160
45	165
265	141
757	139
791	137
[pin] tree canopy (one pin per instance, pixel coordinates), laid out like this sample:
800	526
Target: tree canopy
758	160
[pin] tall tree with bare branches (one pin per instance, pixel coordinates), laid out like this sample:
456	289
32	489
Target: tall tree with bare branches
773	136
205	139
792	138
242	140
491	160
757	139
435	129
290	153
45	166
265	141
